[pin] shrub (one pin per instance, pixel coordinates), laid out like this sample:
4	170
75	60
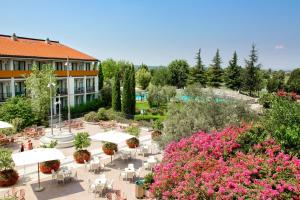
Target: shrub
293	83
106	95
207	166
148	180
158	125
160	96
18	107
91	117
146	117
266	100
79	110
283	122
186	118
133	130
102	114
82	141
6	161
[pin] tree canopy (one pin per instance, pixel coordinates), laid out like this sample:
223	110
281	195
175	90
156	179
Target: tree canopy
178	70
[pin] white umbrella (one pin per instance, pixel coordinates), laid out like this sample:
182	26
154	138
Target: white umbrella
36	156
112	136
5	125
116	137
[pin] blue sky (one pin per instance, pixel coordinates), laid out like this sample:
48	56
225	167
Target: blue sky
157	31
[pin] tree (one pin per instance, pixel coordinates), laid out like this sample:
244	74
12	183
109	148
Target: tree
132	90
109	68
38	85
143	78
126	94
116	93
160	76
252	79
197	73
18	108
215	72
294	81
276	81
144	66
100	77
232	76
179	70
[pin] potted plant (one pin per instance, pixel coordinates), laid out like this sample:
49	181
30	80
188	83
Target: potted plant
157	129
109	148
148	180
81	142
47	166
8	176
133	142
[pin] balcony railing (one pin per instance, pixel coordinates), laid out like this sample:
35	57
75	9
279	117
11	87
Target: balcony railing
4	96
62	91
79	90
90	89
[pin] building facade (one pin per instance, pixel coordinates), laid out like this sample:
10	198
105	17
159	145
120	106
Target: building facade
19	54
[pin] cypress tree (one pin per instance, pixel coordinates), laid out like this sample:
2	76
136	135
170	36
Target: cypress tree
252	80
126	94
116	93
197	73
100	77
132	90
232	76
215	72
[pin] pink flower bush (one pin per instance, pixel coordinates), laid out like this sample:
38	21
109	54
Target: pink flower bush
210	166
292	95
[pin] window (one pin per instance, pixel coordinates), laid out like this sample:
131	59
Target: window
19	65
88	66
29	66
58	66
74	66
79	100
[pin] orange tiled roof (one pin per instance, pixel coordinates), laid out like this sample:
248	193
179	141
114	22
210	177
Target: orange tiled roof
36	48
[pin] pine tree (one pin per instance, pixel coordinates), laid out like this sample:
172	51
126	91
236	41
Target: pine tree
116	93
252	80
215	72
197	73
126	94
232	76
100	77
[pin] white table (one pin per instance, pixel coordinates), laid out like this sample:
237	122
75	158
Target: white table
100	181
94	165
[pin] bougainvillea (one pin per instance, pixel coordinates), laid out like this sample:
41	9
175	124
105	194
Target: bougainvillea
210	166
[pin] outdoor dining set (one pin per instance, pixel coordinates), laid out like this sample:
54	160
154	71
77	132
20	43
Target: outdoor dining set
64	175
100	185
130	173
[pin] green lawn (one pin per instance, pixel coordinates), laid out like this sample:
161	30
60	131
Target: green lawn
142	105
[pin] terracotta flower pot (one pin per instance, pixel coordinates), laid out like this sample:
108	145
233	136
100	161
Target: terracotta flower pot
109	148
8	177
133	143
46	167
82	155
156	134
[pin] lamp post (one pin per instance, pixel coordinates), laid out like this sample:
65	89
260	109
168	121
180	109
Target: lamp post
68	90
59	112
50	85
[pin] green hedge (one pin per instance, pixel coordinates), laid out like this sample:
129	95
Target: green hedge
148	117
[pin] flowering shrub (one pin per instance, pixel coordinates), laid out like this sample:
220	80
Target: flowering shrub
210	166
292	95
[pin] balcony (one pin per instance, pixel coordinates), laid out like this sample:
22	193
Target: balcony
90	89
62	91
63	73
4	96
79	90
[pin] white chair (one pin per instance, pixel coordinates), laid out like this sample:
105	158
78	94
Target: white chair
91	185
53	173
109	185
144	151
98	190
122	175
74	176
146	165
130	175
87	165
138	173
131	166
60	178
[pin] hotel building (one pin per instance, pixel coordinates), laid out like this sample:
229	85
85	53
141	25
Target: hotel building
19	54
